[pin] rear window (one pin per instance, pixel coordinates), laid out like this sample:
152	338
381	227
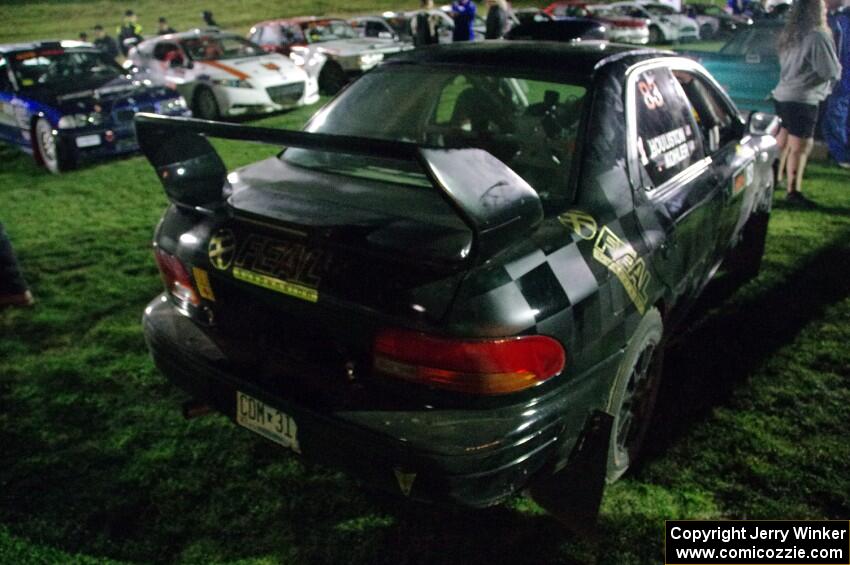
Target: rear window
529	124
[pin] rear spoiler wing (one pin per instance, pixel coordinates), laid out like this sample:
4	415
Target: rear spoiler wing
495	203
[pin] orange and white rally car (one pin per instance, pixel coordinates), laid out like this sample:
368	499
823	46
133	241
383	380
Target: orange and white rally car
222	74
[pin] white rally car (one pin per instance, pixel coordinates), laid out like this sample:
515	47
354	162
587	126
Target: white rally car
666	25
222	74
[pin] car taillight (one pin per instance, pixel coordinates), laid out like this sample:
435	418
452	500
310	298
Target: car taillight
175	277
486	366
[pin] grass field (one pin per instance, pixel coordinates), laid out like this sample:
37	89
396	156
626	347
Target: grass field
97	465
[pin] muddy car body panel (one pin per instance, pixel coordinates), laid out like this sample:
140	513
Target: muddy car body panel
339	283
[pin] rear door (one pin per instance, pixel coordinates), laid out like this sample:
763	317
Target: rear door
675	188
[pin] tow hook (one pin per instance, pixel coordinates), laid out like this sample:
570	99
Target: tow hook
195	409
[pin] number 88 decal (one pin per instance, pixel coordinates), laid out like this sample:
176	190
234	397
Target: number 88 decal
649	90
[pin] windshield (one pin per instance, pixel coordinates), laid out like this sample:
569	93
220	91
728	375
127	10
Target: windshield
57	66
531	125
317	32
658	10
213	48
761	42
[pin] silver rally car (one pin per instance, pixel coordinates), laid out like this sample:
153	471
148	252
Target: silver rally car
222	74
345	54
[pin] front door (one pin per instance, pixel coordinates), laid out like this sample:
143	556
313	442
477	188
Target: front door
675	186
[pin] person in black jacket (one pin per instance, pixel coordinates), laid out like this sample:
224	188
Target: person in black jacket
13	288
423	26
104	42
163	28
208	18
498	19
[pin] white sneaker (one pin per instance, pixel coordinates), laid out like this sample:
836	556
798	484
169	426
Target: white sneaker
844	165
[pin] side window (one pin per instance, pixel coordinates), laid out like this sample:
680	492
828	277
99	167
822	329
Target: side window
667	142
714	118
270	35
373	29
166	52
291	34
5	83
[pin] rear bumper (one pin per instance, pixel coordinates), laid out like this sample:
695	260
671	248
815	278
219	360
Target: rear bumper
450	452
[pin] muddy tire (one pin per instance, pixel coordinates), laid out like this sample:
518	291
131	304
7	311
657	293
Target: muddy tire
633	395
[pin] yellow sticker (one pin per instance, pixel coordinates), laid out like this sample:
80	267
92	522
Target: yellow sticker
202	281
621	259
271	283
582	223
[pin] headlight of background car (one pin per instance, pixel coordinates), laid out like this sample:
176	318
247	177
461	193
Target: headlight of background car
232	83
300	60
371	59
72	121
173	105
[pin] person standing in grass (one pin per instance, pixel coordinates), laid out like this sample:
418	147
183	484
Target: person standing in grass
836	119
13	288
808	66
423	26
104	42
498	19
463	12
163	28
130	29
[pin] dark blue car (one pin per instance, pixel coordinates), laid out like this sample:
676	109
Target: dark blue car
67	102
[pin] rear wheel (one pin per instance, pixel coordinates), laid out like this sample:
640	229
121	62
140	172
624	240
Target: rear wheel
204	105
634	393
655	35
706	32
332	78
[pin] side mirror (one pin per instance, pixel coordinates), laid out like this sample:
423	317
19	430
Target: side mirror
760	123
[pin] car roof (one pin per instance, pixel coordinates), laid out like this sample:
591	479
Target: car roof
584	58
32	45
198	32
298	20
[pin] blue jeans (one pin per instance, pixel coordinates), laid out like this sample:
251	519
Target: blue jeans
836	123
11	280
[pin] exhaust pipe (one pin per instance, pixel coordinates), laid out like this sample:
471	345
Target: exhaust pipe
195	409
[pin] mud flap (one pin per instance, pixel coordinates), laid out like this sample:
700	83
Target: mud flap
573	494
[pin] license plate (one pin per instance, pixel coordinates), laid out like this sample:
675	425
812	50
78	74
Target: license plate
88	140
269	422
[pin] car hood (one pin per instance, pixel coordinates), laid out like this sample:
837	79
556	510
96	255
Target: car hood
86	94
358	46
266	68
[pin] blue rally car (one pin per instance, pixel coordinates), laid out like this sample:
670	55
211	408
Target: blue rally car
67	102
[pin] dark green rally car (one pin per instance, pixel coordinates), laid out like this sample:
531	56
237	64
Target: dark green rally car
458	281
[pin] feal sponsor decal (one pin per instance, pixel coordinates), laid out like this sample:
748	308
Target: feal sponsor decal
615	253
287	267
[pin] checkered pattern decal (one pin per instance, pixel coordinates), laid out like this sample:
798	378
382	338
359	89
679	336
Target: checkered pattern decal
552	284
